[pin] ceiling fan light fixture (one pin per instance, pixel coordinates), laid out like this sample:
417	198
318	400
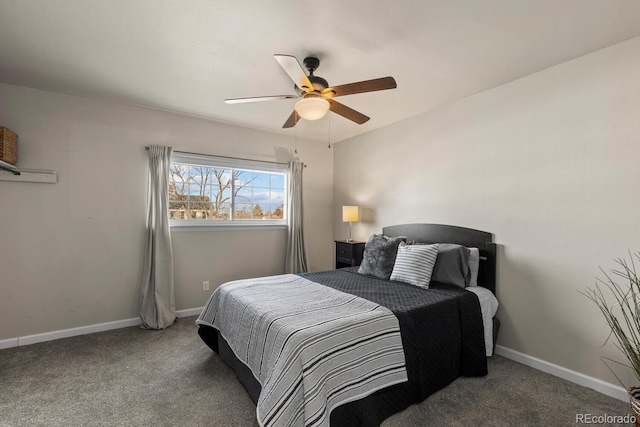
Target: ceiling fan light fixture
312	108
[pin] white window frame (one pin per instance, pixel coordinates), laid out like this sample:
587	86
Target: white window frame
232	163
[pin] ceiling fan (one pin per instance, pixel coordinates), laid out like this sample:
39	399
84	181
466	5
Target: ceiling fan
317	96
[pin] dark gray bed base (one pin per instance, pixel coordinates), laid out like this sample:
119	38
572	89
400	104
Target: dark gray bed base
355	413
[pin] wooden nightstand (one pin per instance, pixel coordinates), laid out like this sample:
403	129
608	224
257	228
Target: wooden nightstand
348	254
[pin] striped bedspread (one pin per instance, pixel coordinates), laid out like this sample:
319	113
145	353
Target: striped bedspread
311	347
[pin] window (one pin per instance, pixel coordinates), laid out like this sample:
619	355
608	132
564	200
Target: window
220	191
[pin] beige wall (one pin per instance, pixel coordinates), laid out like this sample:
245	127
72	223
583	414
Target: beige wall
549	164
71	252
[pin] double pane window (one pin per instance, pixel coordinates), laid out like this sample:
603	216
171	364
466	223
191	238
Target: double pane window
205	190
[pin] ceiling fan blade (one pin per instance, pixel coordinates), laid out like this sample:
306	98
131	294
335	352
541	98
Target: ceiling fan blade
292	120
258	99
293	68
360	87
347	112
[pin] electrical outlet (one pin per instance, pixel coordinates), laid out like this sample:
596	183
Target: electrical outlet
205	285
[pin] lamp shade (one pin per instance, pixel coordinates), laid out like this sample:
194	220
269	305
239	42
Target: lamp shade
350	213
312	108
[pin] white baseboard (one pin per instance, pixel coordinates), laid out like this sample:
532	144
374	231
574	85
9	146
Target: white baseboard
83	330
189	312
564	373
11	342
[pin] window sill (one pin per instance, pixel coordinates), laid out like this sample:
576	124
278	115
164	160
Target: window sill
208	226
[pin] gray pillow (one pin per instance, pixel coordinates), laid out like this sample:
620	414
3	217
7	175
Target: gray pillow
380	255
452	265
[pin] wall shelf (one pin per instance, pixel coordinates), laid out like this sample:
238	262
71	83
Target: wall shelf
8	172
7	166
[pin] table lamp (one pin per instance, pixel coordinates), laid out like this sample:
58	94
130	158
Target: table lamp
350	214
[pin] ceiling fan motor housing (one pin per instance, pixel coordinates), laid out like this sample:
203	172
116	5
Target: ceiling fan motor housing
318	83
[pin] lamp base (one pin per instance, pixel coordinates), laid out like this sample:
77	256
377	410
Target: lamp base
349	240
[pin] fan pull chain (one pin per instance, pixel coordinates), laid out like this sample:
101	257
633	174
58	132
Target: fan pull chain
329	126
295	133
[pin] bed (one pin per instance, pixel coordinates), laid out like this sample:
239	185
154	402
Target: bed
443	332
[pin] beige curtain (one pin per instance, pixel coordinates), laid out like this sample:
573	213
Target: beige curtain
157	300
296	254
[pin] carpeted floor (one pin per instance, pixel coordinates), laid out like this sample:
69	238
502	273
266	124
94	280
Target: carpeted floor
135	377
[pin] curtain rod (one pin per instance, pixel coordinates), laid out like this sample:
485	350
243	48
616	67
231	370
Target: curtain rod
225	157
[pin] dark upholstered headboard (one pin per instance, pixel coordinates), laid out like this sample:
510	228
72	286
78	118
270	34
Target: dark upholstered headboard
437	233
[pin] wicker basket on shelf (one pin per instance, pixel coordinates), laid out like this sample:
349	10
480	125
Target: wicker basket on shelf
8	146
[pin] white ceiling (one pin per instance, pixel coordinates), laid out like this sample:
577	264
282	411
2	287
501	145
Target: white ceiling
188	56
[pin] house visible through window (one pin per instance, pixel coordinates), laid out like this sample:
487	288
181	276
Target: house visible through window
207	190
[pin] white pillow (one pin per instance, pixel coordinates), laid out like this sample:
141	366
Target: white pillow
414	264
474	265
